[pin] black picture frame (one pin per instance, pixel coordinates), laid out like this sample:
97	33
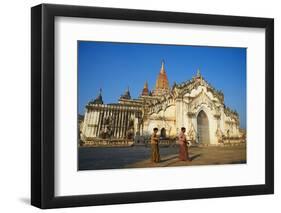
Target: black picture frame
43	105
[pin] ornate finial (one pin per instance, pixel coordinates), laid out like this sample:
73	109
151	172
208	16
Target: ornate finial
127	94
198	72
145	84
174	84
162	66
98	99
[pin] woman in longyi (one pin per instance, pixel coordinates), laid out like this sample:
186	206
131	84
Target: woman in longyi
183	149
155	156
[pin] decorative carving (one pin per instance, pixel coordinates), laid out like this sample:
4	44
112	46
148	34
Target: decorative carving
219	135
199	100
105	133
217	115
130	132
191	114
231	113
191	134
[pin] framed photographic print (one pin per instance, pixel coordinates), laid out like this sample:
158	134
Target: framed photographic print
140	106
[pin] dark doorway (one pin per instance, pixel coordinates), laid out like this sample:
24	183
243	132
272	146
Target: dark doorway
203	128
163	133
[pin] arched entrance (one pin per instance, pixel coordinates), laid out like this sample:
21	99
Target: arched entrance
163	133
203	135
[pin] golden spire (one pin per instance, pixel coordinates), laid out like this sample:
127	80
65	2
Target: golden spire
162	83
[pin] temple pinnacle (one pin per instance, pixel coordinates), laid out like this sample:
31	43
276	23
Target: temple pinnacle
162	67
145	85
145	90
162	83
198	72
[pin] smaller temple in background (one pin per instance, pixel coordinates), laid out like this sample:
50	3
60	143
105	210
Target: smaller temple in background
126	95
98	99
145	90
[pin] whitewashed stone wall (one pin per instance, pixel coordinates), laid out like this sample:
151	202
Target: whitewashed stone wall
185	111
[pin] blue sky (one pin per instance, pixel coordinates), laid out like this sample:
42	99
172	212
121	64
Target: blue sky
116	66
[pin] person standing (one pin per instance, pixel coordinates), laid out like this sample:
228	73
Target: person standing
155	156
183	149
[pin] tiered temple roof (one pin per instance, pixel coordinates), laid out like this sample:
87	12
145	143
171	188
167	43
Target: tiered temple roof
98	99
126	95
145	90
162	83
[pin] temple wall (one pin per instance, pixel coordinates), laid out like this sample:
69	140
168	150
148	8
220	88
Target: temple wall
185	112
231	125
165	118
179	114
110	121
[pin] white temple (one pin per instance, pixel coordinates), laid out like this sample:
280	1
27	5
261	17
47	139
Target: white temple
193	104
